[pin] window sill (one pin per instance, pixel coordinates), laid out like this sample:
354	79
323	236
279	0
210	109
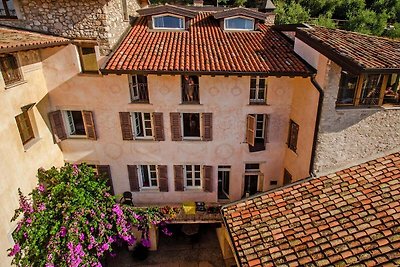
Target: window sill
9	18
140	102
90	74
77	137
191	139
149	190
359	108
15	84
191	103
389	107
31	143
146	140
200	189
258	104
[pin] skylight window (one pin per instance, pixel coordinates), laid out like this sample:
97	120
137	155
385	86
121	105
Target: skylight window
168	22
239	24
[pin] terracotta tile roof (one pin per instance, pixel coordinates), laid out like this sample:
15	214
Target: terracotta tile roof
12	40
240	11
351	217
205	48
359	51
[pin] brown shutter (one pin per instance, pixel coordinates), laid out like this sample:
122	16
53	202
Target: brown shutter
293	134
133	178
251	129
163	177
207	126
105	171
178	171
176	132
57	125
207	177
266	116
158	123
126	125
89	125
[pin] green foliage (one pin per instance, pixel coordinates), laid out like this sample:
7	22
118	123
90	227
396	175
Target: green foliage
325	21
240	2
70	219
368	22
292	12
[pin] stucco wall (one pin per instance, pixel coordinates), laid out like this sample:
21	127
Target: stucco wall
19	164
348	136
94	19
226	97
304	113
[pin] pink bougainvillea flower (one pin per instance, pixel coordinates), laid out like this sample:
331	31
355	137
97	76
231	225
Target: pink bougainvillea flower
63	231
15	250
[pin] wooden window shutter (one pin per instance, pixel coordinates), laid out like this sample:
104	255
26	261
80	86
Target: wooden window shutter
207	126
57	125
266	116
105	171
293	135
126	125
158	123
178	172
89	125
133	178
163	177
176	131
251	129
207	177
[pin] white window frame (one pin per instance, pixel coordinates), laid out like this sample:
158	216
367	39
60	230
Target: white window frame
183	127
193	186
135	125
256	99
235	29
69	124
151	178
257	130
134	88
166	28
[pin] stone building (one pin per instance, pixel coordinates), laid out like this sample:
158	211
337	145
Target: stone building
359	76
101	20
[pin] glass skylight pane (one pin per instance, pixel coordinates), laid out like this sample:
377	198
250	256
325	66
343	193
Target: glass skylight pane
168	22
239	24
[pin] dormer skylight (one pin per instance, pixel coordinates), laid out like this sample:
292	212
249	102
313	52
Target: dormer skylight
239	24
168	21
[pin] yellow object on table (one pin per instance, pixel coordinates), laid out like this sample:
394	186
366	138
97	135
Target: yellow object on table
189	208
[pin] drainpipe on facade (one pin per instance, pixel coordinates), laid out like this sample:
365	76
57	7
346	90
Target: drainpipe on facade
317	123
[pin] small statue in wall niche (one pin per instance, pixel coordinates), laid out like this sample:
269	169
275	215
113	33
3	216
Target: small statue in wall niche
29	57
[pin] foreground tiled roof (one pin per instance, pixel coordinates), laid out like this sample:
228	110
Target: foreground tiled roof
349	218
12	40
363	52
205	48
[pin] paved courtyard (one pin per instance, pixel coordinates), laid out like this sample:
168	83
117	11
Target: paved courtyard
179	250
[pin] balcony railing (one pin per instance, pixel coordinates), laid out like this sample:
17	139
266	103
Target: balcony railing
139	92
190	94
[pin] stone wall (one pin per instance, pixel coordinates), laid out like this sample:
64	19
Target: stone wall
92	19
352	135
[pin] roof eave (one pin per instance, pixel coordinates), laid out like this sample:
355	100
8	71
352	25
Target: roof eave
106	71
32	47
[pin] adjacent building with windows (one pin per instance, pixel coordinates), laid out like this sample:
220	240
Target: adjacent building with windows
359	76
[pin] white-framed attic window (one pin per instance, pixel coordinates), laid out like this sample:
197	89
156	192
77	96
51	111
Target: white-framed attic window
168	22
239	23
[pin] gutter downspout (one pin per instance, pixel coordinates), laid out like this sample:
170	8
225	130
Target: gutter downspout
317	123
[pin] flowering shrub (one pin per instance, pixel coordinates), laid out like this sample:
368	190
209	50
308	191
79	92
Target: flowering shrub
70	219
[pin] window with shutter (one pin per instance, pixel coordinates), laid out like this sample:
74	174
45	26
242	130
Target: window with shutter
25	127
208	181
57	126
207	126
133	178
192	176
163	177
178	173
87	55
89	125
158	123
250	131
293	135
105	171
260	123
10	70
191	126
126	125
142	125
147	176
176	132
258	90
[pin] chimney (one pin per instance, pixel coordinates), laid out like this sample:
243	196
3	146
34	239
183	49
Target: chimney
197	2
144	3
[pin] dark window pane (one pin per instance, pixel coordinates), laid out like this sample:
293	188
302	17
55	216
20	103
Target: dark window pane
392	90
190	89
78	123
191	124
252	166
145	176
347	88
223	183
371	89
197	183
